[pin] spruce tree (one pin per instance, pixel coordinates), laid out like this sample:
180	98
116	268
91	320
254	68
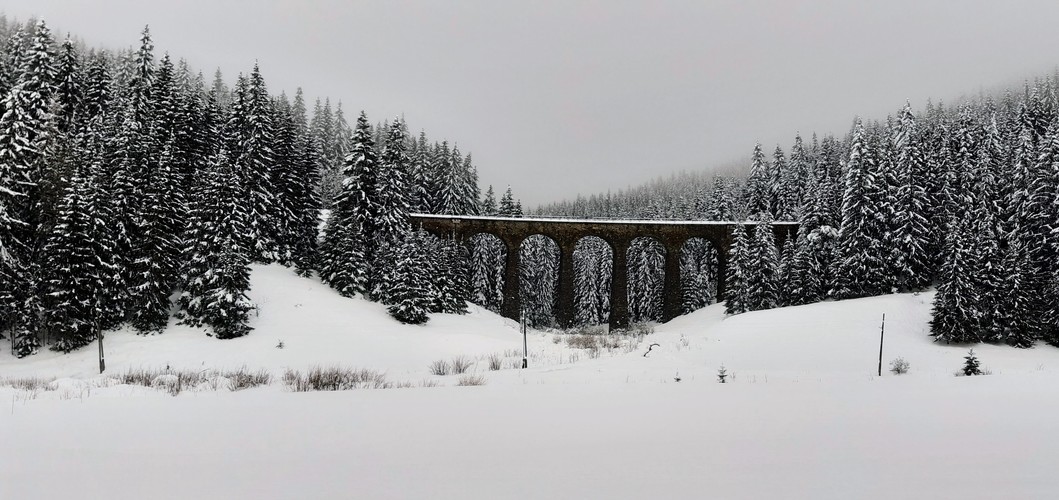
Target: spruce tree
154	263
69	88
393	187
487	263
217	275
489	206
971	365
956	314
350	243
646	274
735	294
26	127
761	271
758	185
911	236
507	204
255	161
404	287
80	251
306	204
862	257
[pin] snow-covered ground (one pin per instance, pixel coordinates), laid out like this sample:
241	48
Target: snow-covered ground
803	415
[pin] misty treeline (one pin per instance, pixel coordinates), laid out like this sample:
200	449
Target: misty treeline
963	198
130	186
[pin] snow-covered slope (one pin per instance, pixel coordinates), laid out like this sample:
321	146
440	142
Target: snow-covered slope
316	326
803	416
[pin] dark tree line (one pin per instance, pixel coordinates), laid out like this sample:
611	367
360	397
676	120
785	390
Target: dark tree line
963	198
130	186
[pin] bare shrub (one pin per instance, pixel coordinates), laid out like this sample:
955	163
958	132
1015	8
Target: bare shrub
582	341
138	376
899	366
429	383
467	380
335	379
460	364
28	383
244	379
611	342
172	381
440	367
291	378
587	330
496	362
637	329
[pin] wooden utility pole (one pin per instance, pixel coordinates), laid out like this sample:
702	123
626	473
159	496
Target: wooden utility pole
882	333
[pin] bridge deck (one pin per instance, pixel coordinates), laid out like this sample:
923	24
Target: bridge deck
572	220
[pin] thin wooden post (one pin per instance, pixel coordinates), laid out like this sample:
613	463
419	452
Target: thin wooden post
525	343
882	333
99	332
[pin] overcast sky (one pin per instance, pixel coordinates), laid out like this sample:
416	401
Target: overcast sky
562	97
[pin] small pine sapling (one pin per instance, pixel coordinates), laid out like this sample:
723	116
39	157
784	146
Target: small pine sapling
971	365
722	375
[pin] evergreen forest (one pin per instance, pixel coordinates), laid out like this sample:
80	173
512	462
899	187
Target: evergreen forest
134	190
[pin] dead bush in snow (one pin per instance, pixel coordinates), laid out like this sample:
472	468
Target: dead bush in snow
245	379
28	383
460	364
587	330
582	341
639	329
172	381
335	379
440	367
496	362
468	380
899	366
176	381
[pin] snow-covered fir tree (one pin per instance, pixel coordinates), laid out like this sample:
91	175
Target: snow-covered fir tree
350	244
217	272
739	262
762	268
405	285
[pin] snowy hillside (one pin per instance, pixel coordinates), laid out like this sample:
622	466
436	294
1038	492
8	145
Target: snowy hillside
803	415
316	325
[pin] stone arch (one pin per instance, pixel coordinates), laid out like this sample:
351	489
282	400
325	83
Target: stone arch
539	272
593	260
646	263
488	259
699	272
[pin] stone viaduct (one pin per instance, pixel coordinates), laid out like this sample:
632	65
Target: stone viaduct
618	233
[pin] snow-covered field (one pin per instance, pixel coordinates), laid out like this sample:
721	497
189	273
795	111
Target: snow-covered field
803	414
